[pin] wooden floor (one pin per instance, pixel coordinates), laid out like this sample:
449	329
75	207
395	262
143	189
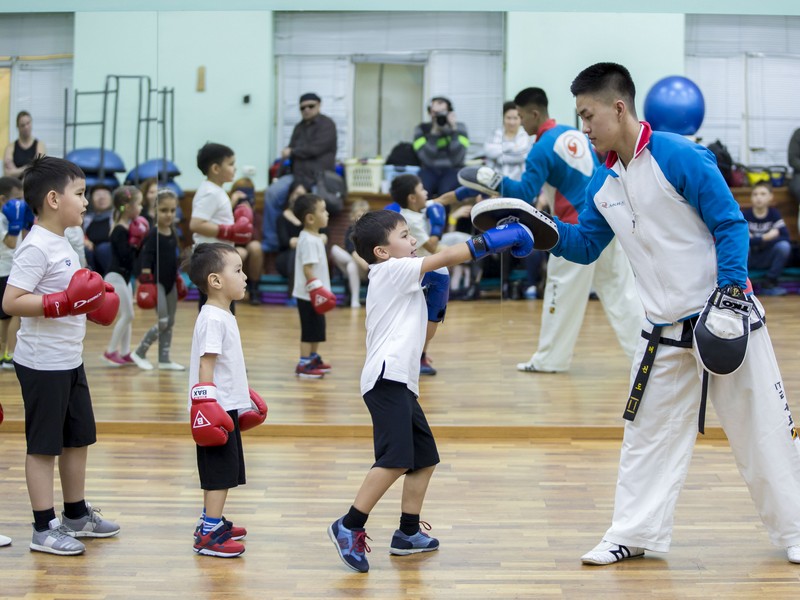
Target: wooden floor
525	486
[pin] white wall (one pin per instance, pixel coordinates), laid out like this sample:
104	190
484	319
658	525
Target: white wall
548	50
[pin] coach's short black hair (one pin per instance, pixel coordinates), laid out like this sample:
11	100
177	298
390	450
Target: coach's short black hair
8	185
305	205
45	174
606	78
205	260
212	154
402	187
373	229
532	96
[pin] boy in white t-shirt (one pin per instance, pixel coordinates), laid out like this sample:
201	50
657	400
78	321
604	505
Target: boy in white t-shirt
397	316
53	295
426	222
312	284
213	216
219	391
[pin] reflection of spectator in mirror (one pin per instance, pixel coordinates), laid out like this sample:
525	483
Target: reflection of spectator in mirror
507	148
24	149
289	227
97	226
794	163
312	147
149	189
347	259
441	146
254	261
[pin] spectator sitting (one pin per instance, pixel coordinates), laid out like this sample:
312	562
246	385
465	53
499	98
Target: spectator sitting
347	259
97	225
149	189
254	262
24	149
441	146
289	227
508	146
312	147
769	238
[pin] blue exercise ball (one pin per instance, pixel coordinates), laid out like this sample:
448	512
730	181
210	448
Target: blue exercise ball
675	104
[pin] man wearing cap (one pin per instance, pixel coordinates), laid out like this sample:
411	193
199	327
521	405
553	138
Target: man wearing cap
312	148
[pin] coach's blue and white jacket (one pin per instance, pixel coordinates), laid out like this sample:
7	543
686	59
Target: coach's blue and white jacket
676	219
562	158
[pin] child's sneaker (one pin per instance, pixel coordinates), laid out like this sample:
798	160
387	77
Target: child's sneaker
237	533
127	360
606	553
425	367
308	371
141	362
90	525
113	359
7	361
792	553
217	542
403	544
4	541
319	364
351	545
56	540
170	366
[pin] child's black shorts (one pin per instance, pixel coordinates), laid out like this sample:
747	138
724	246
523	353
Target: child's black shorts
222	467
400	431
58	409
312	325
3	282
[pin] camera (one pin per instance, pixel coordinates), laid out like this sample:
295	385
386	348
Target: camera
441	119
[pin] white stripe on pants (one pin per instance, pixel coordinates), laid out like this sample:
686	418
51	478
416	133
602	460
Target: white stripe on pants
566	294
121	336
657	446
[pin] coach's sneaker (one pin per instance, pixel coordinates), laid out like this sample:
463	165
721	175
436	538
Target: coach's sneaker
4	541
237	533
793	553
90	525
606	553
308	371
425	366
56	540
319	364
218	542
351	544
403	544
527	367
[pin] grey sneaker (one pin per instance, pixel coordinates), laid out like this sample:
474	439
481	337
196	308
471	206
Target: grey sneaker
91	525
56	540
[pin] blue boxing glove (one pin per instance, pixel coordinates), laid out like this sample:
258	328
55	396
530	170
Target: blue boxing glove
437	293
514	236
394	207
464	193
437	217
14	211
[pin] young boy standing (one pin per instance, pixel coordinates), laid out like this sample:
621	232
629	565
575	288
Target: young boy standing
396	325
312	285
218	383
52	294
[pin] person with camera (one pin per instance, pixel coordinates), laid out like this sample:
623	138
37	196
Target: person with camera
441	147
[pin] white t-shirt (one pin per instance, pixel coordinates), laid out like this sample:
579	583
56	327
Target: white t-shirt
310	250
44	263
418	227
397	318
216	332
211	203
6	253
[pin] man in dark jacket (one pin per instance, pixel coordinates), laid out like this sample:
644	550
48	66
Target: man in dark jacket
441	146
312	148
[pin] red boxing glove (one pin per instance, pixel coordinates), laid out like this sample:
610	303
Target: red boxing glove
146	292
322	299
137	230
255	415
180	286
240	232
210	422
243	210
83	294
107	312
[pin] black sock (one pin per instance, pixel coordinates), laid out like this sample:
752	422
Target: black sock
355	519
409	524
75	510
42	518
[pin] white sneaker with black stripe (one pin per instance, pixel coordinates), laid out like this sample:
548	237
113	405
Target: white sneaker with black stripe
606	553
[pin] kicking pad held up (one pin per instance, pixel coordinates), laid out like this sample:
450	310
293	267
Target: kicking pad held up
497	211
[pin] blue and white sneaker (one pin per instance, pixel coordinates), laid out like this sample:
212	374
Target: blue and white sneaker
403	544
351	545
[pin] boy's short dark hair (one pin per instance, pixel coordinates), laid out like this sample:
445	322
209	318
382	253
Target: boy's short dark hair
47	173
8	185
532	96
212	154
205	260
402	187
603	78
373	229
305	205
765	184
